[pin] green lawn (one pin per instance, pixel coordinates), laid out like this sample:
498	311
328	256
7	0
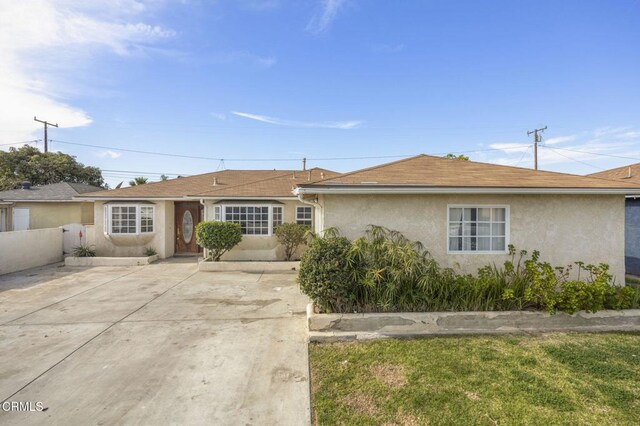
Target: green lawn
581	379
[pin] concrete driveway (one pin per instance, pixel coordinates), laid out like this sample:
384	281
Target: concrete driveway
159	344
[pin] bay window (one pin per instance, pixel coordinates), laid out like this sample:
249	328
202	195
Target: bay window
128	219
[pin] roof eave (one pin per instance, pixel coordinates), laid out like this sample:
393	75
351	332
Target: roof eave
456	190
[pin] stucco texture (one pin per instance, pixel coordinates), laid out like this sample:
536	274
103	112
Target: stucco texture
162	239
53	215
564	228
260	247
27	249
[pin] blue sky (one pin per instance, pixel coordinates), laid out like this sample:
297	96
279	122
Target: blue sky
279	79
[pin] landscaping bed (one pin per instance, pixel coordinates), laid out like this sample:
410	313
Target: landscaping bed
548	379
247	266
109	261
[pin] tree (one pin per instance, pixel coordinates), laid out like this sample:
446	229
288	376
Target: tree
291	236
457	157
29	164
140	180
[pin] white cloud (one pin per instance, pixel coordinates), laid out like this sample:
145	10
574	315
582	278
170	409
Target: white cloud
328	12
43	44
586	152
219	115
109	153
245	57
345	125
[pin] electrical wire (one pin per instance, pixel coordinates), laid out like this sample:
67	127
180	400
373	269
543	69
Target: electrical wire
573	159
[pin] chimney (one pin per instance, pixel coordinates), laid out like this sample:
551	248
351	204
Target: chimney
215	181
321	175
309	177
629	174
294	175
26	184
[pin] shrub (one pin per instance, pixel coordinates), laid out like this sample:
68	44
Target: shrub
384	271
218	237
325	274
150	251
84	250
291	236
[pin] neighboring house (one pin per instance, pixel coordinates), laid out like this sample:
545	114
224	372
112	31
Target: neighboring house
163	215
45	206
629	174
467	213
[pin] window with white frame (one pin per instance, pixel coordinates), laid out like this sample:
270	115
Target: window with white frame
478	228
304	215
254	220
277	217
217	213
130	219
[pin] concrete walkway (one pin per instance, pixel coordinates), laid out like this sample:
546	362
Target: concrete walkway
158	344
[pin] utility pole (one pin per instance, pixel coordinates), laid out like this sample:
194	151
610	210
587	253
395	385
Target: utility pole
46	140
536	140
304	164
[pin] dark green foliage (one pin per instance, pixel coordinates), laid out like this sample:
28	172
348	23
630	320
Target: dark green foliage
140	180
150	251
218	237
84	251
325	274
385	272
28	163
291	236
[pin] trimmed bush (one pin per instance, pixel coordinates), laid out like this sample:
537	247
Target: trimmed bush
291	236
326	275
385	272
218	237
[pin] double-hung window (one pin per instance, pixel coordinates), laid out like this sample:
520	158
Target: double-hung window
478	229
254	220
304	215
129	219
277	217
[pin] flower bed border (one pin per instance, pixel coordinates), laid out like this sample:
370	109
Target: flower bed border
335	327
248	266
109	261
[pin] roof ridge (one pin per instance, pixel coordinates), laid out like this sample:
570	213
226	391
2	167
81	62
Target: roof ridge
379	166
245	183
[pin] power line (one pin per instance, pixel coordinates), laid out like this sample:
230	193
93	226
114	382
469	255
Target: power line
574	159
222	160
536	139
46	125
596	153
21	143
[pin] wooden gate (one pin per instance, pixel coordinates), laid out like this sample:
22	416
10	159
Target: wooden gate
73	235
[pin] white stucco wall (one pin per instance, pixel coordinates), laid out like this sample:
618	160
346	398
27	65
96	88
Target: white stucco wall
259	247
162	239
564	228
27	249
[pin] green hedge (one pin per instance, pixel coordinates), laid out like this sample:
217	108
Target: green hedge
218	237
385	272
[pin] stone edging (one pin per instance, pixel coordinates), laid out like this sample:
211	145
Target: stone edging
331	327
248	266
109	261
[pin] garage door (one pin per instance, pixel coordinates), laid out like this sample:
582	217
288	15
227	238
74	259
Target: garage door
20	219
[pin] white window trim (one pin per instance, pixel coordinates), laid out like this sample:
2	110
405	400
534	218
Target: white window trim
223	215
108	219
312	213
507	228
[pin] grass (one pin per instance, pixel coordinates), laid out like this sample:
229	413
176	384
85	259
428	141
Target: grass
584	379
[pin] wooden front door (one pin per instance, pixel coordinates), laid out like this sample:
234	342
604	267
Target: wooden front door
187	217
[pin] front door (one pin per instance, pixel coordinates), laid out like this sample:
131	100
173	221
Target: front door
187	217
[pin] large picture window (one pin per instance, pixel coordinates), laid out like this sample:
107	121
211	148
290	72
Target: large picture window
478	228
254	220
129	219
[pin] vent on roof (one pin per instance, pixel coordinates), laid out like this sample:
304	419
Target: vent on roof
215	181
26	184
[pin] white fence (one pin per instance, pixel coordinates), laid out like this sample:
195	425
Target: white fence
27	249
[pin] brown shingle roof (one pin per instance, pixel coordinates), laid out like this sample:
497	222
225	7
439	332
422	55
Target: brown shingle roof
630	174
437	172
229	183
